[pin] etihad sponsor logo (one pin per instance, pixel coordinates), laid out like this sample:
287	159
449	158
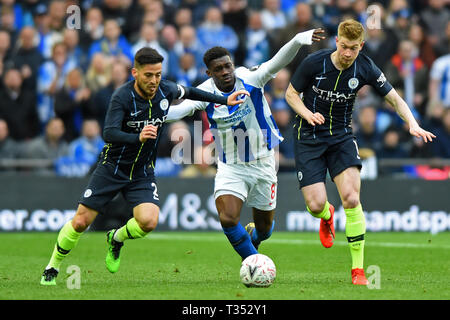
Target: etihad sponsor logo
332	96
142	123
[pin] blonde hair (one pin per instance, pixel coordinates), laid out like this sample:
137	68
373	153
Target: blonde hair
351	30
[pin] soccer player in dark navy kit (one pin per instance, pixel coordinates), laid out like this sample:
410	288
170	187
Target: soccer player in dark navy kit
329	81
133	124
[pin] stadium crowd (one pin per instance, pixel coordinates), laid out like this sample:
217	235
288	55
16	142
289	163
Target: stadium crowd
56	77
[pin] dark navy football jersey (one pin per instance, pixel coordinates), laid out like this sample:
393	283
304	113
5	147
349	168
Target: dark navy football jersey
332	92
128	113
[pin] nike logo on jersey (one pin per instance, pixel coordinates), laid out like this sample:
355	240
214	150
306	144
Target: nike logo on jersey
134	114
217	105
321	78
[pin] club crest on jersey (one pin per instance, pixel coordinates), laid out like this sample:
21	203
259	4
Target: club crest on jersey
353	83
164	104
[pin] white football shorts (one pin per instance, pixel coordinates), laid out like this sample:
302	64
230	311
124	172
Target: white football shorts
254	183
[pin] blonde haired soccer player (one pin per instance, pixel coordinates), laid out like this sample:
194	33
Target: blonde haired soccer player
329	81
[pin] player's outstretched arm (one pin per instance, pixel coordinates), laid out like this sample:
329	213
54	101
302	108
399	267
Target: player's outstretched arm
190	105
288	52
293	99
405	113
201	95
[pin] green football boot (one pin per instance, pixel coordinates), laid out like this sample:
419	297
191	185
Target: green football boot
113	256
49	277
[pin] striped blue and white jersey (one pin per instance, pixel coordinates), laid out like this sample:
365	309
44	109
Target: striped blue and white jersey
242	133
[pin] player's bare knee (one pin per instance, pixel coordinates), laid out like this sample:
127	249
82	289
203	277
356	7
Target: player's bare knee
228	220
350	200
316	205
149	224
80	223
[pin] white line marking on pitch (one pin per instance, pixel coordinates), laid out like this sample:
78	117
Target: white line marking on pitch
371	243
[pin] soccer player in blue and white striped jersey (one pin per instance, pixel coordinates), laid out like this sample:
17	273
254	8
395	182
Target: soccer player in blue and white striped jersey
245	137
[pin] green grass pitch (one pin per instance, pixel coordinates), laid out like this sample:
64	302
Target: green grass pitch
203	266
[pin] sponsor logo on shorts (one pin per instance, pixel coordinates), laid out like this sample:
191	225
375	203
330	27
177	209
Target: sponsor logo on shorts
299	176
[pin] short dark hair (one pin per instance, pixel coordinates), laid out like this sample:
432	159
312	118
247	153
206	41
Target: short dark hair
215	53
147	55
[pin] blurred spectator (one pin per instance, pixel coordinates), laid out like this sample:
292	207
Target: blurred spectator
367	97
113	44
257	45
419	38
47	37
73	104
420	149
235	15
435	18
212	32
9	149
441	145
345	9
17	107
50	145
360	11
27	57
380	45
114	10
202	166
271	15
439	89
149	38
5	45
443	47
75	55
304	22
187	43
57	14
169	36
367	135
92	29
22	16
188	74
98	74
51	77
135	15
328	14
408	74
391	147
183	17
7	22
282	114
399	18
83	151
120	73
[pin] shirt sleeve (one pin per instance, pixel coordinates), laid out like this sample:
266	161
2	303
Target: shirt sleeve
185	108
200	95
112	132
302	75
378	80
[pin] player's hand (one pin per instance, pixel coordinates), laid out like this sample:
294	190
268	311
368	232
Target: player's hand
315	118
310	36
149	132
232	98
420	133
318	35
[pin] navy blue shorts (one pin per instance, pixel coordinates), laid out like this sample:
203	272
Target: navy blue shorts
313	157
106	183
